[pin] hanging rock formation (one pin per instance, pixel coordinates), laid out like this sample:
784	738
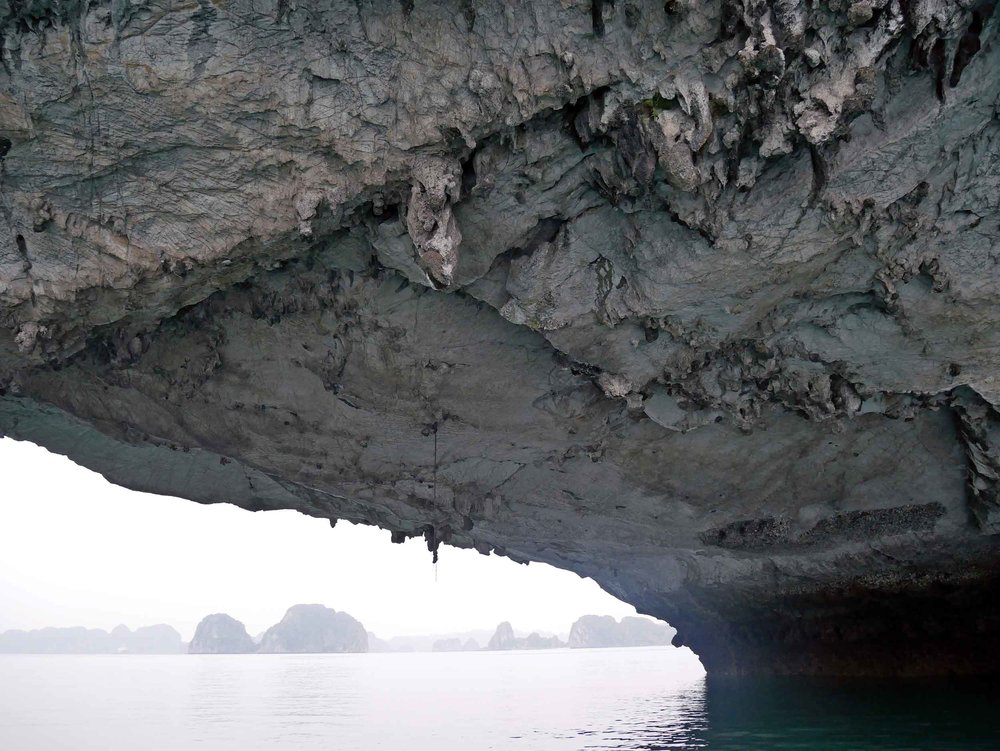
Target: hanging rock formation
697	298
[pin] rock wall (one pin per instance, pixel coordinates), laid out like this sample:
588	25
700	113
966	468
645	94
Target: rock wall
696	298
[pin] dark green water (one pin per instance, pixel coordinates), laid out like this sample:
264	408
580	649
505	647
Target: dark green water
824	715
556	700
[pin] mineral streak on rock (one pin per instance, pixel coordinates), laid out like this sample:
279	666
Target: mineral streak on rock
696	298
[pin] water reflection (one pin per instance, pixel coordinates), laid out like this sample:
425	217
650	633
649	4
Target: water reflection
803	714
800	714
558	700
678	720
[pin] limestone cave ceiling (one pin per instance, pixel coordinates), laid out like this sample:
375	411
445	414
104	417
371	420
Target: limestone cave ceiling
697	298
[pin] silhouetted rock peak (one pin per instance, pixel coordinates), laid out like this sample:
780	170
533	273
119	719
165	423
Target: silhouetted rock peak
221	634
504	639
149	640
605	631
315	628
121	632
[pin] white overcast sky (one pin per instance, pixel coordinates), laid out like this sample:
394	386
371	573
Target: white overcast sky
76	550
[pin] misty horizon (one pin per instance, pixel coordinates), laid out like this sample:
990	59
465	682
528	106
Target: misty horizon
519	629
96	555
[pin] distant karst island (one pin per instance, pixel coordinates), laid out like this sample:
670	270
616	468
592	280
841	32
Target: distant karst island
305	629
504	639
604	631
589	631
220	633
150	640
317	629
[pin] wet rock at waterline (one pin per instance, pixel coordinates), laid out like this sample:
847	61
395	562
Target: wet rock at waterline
697	298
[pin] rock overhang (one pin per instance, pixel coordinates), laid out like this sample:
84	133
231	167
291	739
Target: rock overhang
694	300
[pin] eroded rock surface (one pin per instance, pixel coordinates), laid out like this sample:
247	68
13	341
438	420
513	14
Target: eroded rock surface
698	298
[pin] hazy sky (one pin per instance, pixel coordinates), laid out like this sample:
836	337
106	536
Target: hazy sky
77	550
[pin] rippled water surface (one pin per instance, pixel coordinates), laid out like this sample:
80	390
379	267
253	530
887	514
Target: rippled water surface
628	699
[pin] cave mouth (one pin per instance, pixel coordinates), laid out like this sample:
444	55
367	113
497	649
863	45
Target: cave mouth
727	595
61	524
87	552
692	299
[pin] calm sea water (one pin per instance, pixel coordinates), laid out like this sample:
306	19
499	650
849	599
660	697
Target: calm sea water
632	699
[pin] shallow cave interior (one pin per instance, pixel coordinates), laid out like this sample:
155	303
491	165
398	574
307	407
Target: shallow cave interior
694	298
